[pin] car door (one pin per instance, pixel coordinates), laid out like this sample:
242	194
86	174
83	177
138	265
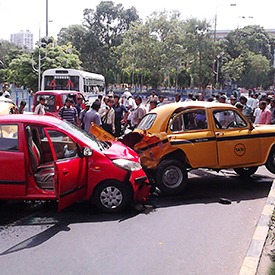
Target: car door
70	168
12	158
190	132
237	144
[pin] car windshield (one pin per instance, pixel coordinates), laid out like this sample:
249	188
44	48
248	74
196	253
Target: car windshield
147	122
87	138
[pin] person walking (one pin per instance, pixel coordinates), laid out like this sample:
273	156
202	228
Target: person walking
40	108
68	112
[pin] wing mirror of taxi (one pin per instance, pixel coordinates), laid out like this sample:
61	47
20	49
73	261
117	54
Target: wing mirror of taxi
87	152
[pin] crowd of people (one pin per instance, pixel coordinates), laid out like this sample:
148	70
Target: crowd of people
114	113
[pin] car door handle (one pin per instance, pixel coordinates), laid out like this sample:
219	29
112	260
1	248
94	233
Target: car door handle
65	171
219	133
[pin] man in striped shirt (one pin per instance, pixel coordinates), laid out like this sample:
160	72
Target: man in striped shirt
68	112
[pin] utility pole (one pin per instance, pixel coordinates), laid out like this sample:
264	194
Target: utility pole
47	19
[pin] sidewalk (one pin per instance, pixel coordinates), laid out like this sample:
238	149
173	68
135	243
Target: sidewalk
259	260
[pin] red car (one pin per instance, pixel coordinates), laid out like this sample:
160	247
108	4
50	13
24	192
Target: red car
56	99
45	158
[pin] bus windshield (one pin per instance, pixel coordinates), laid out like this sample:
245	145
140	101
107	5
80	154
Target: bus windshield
73	80
61	83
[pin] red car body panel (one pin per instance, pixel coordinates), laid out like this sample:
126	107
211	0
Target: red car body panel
75	178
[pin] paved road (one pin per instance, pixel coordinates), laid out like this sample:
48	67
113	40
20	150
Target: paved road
193	233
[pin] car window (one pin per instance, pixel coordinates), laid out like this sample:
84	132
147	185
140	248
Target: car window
63	145
189	120
228	119
147	122
9	137
49	102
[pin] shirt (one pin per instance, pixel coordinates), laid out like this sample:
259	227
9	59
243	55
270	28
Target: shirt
265	117
91	116
69	114
39	109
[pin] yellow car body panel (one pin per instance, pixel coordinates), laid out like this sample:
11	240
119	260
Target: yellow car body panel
214	146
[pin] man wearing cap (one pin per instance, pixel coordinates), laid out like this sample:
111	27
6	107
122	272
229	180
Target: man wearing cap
40	108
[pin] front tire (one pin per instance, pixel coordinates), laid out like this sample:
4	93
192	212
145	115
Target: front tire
270	164
246	171
171	176
112	197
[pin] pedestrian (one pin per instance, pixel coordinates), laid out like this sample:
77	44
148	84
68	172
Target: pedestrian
177	98
272	110
92	116
78	105
247	110
68	112
40	107
82	115
121	114
153	104
161	100
153	96
265	116
108	117
138	113
22	107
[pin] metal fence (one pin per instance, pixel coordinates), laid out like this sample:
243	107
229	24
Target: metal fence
17	95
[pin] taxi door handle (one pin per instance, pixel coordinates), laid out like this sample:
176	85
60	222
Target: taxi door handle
65	171
219	133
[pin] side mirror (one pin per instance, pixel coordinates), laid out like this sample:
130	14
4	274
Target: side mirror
87	152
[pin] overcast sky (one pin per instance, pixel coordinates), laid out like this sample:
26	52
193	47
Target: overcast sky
16	15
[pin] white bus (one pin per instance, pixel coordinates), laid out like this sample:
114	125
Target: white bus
90	84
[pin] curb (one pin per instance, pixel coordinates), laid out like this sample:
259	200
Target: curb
254	252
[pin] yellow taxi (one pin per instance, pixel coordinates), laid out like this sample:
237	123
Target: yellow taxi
177	137
7	106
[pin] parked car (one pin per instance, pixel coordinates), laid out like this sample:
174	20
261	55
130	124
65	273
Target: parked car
55	99
177	137
7	106
45	158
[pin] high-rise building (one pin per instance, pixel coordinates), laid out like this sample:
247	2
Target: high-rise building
23	39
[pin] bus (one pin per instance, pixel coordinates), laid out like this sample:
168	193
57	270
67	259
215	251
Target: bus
89	84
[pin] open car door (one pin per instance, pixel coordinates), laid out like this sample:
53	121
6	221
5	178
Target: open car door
70	168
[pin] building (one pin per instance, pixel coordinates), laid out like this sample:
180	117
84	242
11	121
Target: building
23	39
221	34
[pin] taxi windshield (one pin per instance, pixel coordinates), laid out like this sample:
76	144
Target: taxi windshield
87	138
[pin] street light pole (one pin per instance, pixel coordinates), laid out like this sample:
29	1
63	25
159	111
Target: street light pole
47	19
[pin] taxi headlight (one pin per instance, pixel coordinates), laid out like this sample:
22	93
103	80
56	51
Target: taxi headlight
127	164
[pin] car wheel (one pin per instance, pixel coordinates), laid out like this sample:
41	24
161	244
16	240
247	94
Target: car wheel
270	164
171	176
246	171
112	197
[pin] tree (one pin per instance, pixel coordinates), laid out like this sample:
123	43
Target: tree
21	68
106	27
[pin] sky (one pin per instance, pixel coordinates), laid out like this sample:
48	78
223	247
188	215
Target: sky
16	15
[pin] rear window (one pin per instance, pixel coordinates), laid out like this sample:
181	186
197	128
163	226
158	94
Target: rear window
147	122
9	137
49	103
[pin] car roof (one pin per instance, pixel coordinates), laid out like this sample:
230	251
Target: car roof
170	107
30	118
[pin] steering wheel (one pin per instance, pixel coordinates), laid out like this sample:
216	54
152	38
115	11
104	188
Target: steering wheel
232	124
